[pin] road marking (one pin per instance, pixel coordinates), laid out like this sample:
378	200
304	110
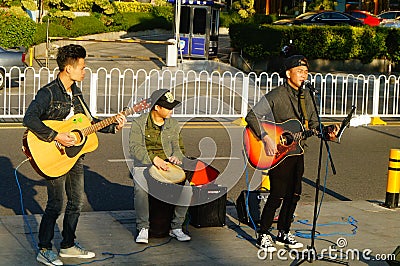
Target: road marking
202	125
205	158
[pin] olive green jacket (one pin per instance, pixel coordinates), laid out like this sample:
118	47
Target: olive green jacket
171	140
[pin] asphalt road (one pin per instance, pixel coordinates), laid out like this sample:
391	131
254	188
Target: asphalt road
361	159
361	162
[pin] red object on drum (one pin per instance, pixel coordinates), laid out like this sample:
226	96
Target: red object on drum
203	174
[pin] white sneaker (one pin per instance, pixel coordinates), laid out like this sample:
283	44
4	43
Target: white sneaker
288	240
76	251
264	241
179	235
143	236
48	257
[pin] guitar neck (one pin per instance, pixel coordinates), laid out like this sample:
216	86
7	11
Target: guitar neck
305	134
99	125
113	119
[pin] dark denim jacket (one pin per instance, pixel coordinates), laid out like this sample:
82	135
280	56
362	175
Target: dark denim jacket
52	102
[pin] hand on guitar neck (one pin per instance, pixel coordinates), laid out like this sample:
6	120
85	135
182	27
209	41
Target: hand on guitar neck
271	148
121	120
331	132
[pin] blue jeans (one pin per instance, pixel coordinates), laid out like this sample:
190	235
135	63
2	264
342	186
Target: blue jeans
141	201
73	183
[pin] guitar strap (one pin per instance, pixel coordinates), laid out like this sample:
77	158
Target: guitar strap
86	110
303	107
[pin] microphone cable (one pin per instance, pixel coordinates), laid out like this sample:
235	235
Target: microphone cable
21	200
109	255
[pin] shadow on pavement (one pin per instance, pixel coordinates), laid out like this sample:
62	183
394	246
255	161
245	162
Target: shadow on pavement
104	195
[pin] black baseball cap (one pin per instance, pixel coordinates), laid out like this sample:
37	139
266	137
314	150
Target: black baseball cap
163	98
295	61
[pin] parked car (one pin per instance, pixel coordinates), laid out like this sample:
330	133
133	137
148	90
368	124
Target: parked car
389	17
10	58
330	18
392	24
366	17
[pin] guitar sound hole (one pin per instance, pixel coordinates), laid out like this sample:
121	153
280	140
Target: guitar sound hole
78	137
286	139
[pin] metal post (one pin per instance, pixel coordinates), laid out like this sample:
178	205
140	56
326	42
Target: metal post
47	43
245	96
93	94
376	120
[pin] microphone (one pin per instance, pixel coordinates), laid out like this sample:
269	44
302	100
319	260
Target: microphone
307	84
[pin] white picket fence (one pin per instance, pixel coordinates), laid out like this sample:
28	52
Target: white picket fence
204	94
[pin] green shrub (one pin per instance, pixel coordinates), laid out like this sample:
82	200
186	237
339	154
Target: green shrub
29	4
323	42
55	30
59	19
317	42
166	12
119	22
125	7
16	31
148	21
393	45
261	19
257	42
371	43
82	6
87	25
229	18
18	11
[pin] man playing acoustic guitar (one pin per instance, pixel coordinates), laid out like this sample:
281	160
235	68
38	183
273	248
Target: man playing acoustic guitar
60	100
289	101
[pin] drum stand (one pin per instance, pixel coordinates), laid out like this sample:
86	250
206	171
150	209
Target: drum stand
312	254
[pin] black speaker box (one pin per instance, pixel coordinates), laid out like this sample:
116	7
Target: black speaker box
255	200
213	212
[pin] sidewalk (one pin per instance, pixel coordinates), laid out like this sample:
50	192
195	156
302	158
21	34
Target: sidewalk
108	233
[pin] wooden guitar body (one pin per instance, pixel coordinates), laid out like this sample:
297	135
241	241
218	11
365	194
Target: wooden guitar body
52	159
286	135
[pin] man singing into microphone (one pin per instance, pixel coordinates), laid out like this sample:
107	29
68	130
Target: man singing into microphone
292	100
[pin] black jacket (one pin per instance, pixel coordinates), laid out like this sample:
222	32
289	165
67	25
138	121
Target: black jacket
52	102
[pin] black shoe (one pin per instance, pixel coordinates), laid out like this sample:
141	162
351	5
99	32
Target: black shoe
287	239
264	241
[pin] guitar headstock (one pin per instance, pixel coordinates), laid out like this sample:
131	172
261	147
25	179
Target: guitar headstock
345	123
140	106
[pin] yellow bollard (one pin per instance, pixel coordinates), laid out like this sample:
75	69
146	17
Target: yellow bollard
240	122
393	180
31	56
265	185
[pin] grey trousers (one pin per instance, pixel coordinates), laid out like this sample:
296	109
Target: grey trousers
141	201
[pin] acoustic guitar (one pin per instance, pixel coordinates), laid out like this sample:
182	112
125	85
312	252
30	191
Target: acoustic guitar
287	137
51	159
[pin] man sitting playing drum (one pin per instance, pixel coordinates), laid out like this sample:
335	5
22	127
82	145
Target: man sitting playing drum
155	143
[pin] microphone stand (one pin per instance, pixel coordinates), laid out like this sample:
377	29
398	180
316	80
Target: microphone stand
312	255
